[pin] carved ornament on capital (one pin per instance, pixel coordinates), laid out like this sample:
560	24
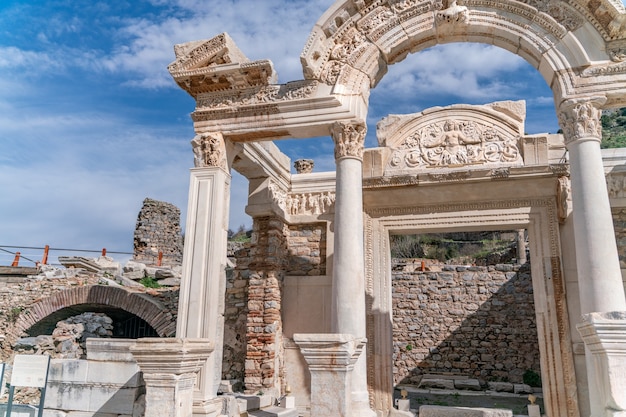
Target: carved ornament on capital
209	150
349	138
580	119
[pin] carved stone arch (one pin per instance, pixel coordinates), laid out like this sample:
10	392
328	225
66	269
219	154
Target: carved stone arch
139	304
352	44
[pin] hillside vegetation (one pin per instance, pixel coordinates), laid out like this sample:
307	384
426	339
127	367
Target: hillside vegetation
614	128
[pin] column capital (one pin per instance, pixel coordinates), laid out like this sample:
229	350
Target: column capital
349	138
209	150
580	118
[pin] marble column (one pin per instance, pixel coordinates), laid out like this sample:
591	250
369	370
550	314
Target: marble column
331	359
169	368
599	276
203	284
348	299
597	261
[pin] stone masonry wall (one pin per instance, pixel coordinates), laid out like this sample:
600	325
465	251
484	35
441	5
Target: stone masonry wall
264	357
307	250
18	296
236	313
470	321
158	230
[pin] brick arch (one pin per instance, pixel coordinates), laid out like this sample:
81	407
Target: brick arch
139	304
355	41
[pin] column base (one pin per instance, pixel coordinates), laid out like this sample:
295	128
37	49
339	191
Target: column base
331	359
604	335
169	368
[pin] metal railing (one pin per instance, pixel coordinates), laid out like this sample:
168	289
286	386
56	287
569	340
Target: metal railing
15	256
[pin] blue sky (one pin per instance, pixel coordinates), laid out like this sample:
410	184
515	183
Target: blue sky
91	123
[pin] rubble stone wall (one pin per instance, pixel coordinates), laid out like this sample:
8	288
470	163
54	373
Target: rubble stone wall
470	321
264	358
307	250
236	313
158	230
18	298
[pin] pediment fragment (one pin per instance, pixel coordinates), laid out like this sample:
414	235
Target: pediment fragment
217	64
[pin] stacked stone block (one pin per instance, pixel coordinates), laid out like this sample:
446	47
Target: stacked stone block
307	250
470	321
263	366
236	314
158	231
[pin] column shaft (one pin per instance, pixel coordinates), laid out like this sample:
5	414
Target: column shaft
599	275
348	302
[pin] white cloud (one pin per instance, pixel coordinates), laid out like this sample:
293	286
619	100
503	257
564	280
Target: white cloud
467	71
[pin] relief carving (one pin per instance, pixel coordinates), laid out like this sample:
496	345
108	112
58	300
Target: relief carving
564	199
617	54
581	119
455	143
209	150
304	166
309	203
349	138
262	95
616	185
453	13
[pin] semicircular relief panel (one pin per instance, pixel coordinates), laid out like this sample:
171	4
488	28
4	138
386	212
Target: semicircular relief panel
455	136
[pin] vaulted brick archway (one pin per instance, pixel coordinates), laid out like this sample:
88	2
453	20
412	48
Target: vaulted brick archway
138	304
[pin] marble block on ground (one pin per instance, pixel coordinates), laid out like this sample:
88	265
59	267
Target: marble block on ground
440	411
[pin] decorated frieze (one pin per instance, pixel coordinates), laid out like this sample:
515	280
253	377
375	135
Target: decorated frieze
453	143
311	203
255	96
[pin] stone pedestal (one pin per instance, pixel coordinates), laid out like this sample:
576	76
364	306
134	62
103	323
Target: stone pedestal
605	340
169	369
331	359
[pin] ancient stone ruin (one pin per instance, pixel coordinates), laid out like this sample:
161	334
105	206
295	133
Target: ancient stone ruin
158	237
314	313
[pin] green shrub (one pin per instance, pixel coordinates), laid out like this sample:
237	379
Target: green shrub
532	378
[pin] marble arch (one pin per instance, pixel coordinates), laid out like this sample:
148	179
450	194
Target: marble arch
579	47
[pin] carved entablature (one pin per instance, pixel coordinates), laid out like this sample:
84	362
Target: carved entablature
296	204
455	136
209	150
217	65
257	96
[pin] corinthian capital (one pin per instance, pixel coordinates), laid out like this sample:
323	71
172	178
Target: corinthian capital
209	150
580	119
349	139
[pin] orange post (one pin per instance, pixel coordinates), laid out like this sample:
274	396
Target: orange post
423	266
16	261
44	260
160	260
104	251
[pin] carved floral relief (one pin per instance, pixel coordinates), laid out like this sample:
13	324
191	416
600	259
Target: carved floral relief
209	150
455	143
581	119
349	139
